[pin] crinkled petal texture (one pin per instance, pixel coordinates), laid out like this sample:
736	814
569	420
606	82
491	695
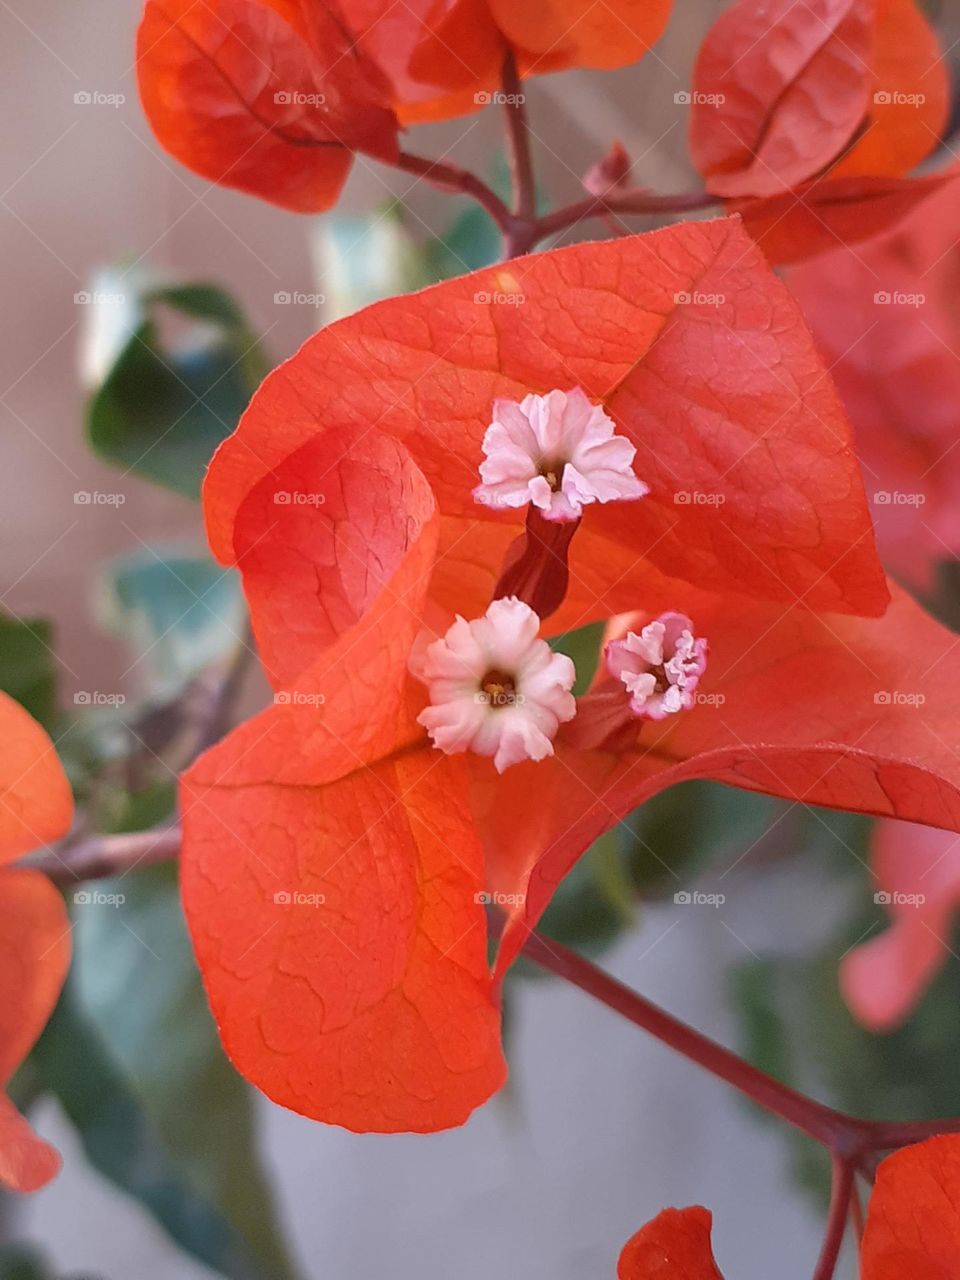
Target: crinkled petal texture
267	96
674	1246
694	349
779	90
332	876
913	1222
910	94
445	57
848	713
886	317
917	869
442	58
784	91
36	806
34	955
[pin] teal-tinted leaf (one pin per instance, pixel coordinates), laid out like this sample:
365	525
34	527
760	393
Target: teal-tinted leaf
136	981
180	612
20	1262
363	257
165	405
583	646
472	241
72	1063
594	904
27	670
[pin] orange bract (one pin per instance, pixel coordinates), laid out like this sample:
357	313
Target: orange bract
268	96
35	806
273	96
912	1230
809	116
674	1246
345	498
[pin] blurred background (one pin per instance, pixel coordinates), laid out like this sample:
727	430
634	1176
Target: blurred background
600	1127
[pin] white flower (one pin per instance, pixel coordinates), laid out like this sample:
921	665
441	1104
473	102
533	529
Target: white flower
495	687
558	451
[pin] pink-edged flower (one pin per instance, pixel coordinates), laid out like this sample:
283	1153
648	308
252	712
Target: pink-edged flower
660	667
559	452
495	687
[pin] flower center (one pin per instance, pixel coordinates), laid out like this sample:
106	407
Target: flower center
499	689
559	452
495	687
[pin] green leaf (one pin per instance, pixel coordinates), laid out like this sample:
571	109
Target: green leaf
180	612
27	671
165	405
363	257
795	1024
20	1262
72	1062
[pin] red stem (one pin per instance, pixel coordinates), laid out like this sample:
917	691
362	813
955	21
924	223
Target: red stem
831	1128
451	177
841	1191
523	234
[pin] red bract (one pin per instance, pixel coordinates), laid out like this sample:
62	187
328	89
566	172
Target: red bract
792	102
333	872
912	1230
886	317
35	807
273	96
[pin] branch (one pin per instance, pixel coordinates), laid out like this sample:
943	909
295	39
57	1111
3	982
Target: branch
625	202
98	857
826	1126
450	177
842	1190
521	161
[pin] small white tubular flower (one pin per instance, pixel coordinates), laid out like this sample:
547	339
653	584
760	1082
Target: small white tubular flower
495	687
558	451
661	667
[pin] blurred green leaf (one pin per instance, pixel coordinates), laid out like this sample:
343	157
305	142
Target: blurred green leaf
796	1026
166	404
363	257
27	670
689	827
472	241
180	612
137	982
20	1262
583	646
594	904
72	1062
